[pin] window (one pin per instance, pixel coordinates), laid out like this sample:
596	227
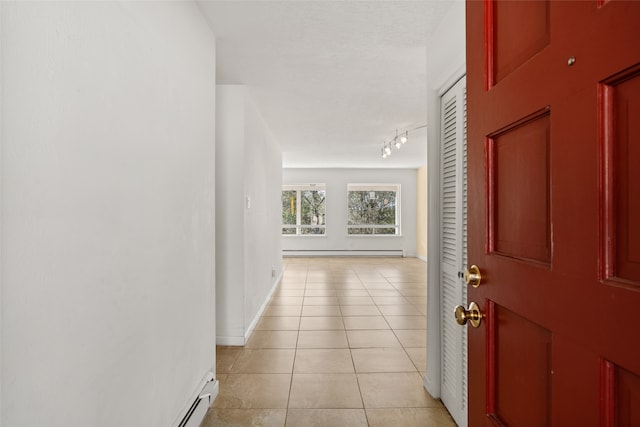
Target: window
303	209
374	209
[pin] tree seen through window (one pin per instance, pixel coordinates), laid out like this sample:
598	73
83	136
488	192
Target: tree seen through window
303	209
373	209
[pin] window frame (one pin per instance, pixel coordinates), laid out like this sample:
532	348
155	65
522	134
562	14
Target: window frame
370	187
298	226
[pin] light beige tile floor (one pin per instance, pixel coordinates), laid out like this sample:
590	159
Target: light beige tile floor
341	343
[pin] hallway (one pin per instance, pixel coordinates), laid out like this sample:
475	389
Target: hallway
341	343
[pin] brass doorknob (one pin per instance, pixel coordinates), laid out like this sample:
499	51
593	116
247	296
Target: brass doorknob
471	276
472	315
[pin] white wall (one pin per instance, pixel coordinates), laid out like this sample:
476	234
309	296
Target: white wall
107	212
445	65
263	184
422	216
336	238
1	272
249	180
230	148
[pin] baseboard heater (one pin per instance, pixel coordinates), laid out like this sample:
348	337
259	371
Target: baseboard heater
200	406
346	252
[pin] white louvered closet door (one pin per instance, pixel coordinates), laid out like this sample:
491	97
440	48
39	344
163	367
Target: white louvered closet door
453	252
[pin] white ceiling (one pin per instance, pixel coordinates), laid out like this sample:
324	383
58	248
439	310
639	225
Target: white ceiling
332	79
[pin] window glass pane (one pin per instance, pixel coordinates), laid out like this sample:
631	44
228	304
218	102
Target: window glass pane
372	207
375	205
358	230
312	209
289	210
314	230
303	206
385	231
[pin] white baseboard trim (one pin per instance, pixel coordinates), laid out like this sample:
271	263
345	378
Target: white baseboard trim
331	253
422	258
242	340
196	407
235	341
433	390
258	315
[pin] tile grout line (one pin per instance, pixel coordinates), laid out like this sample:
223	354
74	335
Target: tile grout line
364	409
295	350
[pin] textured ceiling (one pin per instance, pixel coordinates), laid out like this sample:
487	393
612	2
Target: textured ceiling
332	79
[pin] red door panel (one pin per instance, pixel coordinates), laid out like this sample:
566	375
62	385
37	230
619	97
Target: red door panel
620	105
628	399
520	31
553	101
518	181
520	360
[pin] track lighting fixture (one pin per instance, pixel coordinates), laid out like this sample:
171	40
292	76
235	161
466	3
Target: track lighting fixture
398	141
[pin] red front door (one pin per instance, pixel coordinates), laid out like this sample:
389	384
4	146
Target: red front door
554	212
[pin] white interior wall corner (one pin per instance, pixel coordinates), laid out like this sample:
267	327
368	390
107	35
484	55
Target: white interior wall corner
263	177
249	247
230	277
